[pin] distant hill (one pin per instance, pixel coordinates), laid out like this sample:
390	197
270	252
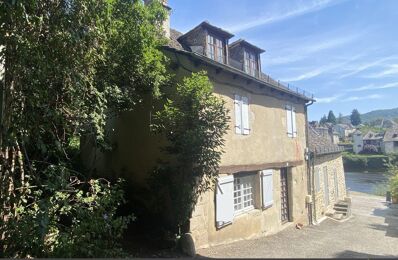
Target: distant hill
378	114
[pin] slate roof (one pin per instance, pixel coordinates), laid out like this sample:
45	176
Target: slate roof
391	135
175	45
320	144
373	136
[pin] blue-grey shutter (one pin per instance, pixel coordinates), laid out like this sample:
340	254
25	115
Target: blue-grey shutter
267	188
225	200
245	115
238	115
294	128
289	121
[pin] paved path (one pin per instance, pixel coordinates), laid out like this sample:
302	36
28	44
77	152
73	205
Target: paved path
371	232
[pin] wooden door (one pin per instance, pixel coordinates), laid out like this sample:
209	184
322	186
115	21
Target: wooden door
284	196
336	185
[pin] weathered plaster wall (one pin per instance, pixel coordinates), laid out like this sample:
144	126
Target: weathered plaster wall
333	162
389	147
255	223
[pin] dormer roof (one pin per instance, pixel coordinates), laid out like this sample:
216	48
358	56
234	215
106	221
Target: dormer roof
211	28
243	42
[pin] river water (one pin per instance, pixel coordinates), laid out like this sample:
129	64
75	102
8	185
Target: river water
372	183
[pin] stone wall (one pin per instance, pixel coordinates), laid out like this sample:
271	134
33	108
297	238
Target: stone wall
334	164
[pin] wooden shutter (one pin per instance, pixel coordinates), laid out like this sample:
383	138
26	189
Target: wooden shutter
294	128
317	180
245	115
225	201
289	121
267	188
238	114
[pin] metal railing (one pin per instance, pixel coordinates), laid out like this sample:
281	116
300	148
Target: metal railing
284	85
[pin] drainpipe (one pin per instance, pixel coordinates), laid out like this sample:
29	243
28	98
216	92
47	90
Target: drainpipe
310	165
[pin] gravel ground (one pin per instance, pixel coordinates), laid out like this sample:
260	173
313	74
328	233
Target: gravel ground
372	231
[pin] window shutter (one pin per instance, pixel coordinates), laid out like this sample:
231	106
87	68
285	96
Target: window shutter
225	201
238	115
267	188
317	180
289	121
294	128
245	115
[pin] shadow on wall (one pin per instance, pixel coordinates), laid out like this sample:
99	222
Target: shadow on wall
390	215
353	254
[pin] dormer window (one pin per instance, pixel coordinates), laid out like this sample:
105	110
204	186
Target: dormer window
215	48
250	63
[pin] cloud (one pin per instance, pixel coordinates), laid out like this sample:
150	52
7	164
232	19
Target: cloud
311	46
283	15
318	71
327	100
338	98
391	71
356	98
359	68
374	87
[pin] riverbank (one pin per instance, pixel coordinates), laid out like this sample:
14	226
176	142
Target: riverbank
365	162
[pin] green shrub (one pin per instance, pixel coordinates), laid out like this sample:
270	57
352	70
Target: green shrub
353	162
65	217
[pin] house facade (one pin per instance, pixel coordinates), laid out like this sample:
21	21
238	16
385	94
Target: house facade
357	142
390	141
262	185
327	174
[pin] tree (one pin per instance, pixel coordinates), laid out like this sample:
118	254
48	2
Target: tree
331	117
69	66
355	117
194	121
340	118
323	120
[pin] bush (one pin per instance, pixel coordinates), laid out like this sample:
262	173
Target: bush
65	217
353	162
370	149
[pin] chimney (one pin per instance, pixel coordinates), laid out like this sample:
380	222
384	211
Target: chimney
166	23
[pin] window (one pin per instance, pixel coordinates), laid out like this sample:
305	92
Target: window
215	48
243	193
291	121
250	63
241	115
317	180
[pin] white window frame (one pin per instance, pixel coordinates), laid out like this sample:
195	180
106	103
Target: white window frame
317	179
242	115
291	123
244	193
215	48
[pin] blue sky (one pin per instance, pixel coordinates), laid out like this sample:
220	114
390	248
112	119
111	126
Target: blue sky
345	52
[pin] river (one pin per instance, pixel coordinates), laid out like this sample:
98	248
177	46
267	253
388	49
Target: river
372	183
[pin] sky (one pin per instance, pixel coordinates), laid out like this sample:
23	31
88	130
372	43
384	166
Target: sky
345	52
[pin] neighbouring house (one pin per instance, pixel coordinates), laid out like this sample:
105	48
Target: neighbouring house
343	130
357	141
263	183
390	141
372	138
327	173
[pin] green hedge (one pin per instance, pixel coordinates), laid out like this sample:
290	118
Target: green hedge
353	162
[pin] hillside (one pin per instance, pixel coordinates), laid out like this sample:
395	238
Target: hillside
378	114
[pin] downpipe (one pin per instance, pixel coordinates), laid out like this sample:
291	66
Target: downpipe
309	157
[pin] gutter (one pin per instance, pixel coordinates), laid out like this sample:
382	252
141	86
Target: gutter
310	168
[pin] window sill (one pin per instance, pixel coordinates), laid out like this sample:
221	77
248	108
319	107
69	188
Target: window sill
249	211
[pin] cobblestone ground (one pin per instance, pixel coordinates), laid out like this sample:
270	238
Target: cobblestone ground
371	232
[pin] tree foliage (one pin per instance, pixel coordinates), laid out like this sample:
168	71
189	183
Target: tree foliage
69	66
331	117
323	120
355	117
194	122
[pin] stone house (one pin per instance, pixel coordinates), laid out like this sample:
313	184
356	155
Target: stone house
357	142
264	182
343	130
390	141
327	175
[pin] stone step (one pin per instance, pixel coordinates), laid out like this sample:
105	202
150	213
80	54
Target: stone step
339	204
338	208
